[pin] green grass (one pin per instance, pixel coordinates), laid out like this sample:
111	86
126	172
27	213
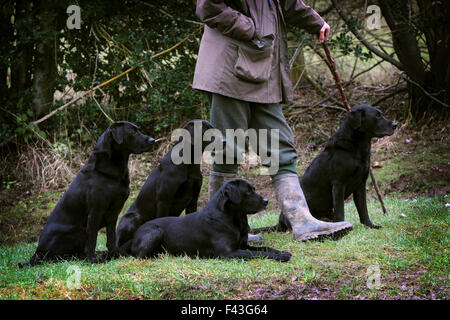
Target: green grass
419	169
411	252
24	220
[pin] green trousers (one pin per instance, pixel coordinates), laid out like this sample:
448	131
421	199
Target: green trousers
229	113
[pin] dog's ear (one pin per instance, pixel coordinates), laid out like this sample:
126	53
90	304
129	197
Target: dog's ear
355	118
206	125
117	132
232	198
229	194
102	154
190	127
233	193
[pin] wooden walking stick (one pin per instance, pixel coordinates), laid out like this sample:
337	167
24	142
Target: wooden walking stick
332	67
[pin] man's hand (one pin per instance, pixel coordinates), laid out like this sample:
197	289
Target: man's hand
324	33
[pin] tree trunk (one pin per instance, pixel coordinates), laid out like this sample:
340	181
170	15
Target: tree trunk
433	23
44	72
437	34
6	39
21	66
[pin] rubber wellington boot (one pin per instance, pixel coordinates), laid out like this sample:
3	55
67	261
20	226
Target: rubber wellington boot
294	207
216	180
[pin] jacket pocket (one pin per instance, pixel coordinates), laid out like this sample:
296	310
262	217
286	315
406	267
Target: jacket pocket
253	64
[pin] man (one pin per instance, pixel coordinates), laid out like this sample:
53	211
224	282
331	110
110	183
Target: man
243	64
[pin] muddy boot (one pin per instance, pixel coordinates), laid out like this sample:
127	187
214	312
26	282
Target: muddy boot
294	207
216	180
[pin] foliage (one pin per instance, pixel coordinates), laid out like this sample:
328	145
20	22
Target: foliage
419	30
114	36
346	42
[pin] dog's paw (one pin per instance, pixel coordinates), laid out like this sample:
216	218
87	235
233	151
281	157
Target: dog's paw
106	256
372	226
93	260
284	256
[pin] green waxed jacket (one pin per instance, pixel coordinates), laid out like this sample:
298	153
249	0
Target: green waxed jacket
243	52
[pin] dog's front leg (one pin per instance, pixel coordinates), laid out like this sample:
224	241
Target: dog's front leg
338	201
93	224
192	206
111	245
359	197
111	223
165	194
111	239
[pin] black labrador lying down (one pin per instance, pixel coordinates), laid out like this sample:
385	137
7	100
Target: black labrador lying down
220	230
169	189
342	168
94	199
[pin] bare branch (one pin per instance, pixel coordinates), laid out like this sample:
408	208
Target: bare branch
326	10
426	92
389	96
362	72
369	46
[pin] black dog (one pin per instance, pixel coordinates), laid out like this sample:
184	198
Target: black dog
94	199
169	189
220	230
342	168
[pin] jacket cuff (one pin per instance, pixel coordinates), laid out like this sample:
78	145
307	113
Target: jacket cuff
319	22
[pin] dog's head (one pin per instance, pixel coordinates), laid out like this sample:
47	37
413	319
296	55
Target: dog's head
238	195
129	138
197	129
124	136
370	121
121	136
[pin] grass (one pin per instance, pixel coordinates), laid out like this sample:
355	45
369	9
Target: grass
420	168
411	252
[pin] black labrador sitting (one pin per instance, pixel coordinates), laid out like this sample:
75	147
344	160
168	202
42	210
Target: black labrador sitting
169	189
94	198
342	168
220	230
